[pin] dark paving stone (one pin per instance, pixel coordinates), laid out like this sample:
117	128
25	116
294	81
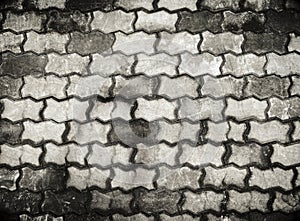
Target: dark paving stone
64	22
20	201
157	201
93	42
10	86
274	216
22	65
293	4
43	179
284	21
245	21
8	178
265	42
134	132
65	202
263	4
267	86
11	4
87	217
10	132
87	5
200	21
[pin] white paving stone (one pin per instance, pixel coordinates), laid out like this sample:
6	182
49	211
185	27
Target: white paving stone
88	132
217	132
111	64
236	131
155	109
56	154
175	43
174	4
44	87
137	42
113	21
18	110
283	65
286	155
156	64
67	64
44	4
244	64
10	42
61	111
42	43
197	65
294	44
134	4
156	21
221	43
43	131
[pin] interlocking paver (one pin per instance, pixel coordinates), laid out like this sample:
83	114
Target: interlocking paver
294	43
173	5
284	109
286	202
8	178
286	155
11	42
217	132
134	4
283	65
236	131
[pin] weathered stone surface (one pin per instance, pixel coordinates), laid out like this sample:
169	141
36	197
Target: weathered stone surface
111	200
159	63
260	43
44	4
294	44
113	21
11	42
155	109
295	89
46	217
202	155
111	64
8	178
135	177
284	21
244	64
88	86
260	5
296	134
174	5
137	217
183	217
44	87
9	132
267	86
158	200
88	132
247	201
65	22
224	176
221	43
199	21
284	109
243	21
249	108
67	64
283	65
128	88
83	178
22	109
273	131
61	111
20	201
156	154
236	131
91	216
175	179
287	202
286	155
92	42
22	65
18	155
16	4
10	87
178	87
200	64
276	177
25	21
200	109
137	42
43	43
199	202
109	155
249	154
43	131
111	110
222	87
134	4
175	43
292	4
156	21
88	5
66	202
43	179
217	132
